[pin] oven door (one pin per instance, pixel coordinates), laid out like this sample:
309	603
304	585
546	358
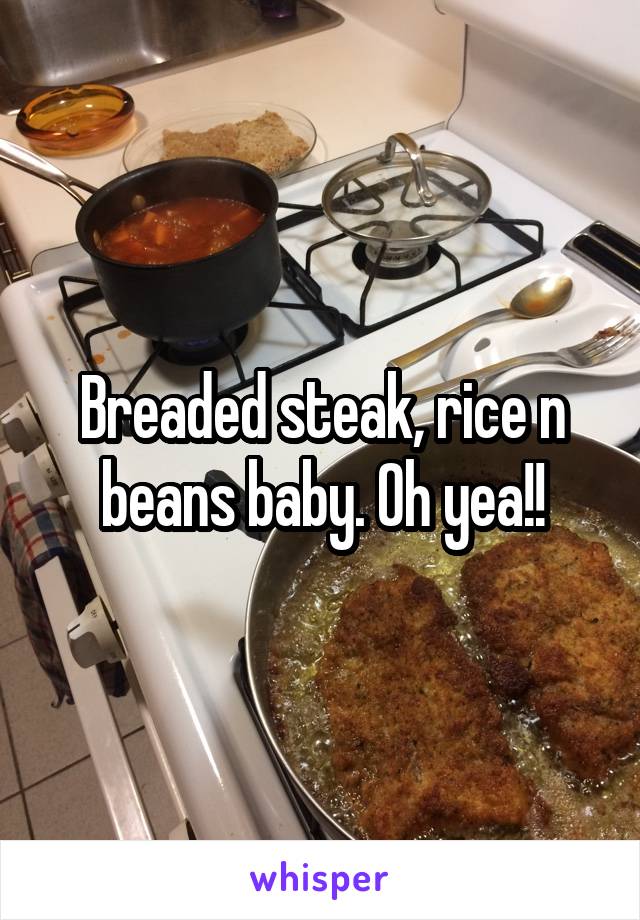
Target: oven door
117	780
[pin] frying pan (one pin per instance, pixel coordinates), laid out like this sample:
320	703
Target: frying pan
584	471
185	302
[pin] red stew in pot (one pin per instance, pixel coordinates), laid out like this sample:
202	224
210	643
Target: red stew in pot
179	231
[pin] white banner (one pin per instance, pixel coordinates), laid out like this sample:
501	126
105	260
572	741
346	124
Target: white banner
452	880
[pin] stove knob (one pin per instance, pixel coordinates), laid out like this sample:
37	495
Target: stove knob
21	426
40	476
93	638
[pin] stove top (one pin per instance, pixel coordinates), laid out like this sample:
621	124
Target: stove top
331	284
180	598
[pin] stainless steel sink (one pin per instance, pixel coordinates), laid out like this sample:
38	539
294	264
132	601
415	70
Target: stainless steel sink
46	43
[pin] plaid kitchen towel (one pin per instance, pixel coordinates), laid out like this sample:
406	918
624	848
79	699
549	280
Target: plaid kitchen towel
30	537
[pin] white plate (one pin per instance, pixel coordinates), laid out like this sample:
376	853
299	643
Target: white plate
583	316
604	400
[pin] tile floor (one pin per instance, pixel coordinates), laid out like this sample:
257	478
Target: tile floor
48	786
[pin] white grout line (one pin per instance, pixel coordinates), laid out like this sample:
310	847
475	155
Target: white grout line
16	764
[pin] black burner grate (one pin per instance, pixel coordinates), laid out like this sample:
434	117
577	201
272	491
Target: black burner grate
533	247
305	288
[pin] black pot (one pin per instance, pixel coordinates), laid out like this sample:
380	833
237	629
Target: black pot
186	302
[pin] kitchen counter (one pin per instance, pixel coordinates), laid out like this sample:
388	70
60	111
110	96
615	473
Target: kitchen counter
355	83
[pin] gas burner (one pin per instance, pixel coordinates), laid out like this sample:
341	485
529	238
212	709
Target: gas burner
204	351
397	247
395	263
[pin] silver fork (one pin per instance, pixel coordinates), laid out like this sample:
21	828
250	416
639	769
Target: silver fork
603	346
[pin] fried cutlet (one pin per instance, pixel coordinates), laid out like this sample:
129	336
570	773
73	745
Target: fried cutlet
563	630
416	732
266	141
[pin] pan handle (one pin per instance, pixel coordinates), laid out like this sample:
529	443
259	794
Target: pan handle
632	446
218	477
30	162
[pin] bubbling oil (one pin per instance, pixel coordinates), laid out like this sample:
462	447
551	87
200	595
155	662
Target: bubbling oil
308	614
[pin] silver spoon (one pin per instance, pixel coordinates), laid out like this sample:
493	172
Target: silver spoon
540	298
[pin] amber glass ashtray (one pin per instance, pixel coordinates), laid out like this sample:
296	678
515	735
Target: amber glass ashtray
75	118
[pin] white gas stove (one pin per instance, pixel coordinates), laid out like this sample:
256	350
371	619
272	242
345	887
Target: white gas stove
179	599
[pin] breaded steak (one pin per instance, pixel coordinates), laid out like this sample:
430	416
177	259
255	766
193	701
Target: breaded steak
563	630
416	732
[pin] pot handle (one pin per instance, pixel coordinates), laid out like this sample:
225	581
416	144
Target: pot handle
415	154
218	477
30	162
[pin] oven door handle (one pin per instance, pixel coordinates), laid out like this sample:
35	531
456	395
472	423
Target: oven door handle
117	781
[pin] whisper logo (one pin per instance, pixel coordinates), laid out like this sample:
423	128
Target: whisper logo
305	880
